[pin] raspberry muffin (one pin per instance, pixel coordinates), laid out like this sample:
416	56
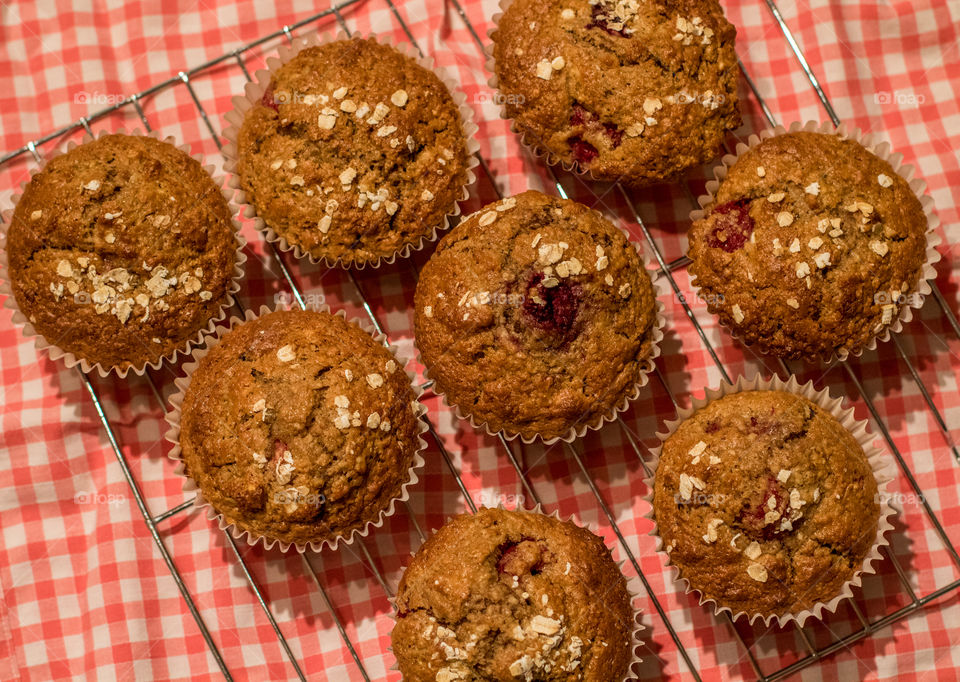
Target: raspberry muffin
810	246
638	91
121	251
535	316
353	153
765	503
513	595
298	426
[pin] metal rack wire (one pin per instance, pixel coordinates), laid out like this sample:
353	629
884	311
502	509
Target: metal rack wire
868	625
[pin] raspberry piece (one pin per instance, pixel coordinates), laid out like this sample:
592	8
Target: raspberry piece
526	557
552	309
279	447
614	133
732	227
712	427
599	20
754	515
580	116
268	99
583	151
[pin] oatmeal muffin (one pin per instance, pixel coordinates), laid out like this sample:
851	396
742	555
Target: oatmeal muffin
638	91
535	316
765	503
300	427
513	595
354	152
121	251
811	246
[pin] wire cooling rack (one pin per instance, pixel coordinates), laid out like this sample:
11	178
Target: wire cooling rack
817	641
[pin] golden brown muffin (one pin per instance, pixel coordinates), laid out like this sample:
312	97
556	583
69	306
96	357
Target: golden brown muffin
811	246
765	503
513	595
300	427
354	152
639	91
121	250
535	316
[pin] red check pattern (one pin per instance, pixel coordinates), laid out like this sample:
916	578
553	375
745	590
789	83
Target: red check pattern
84	592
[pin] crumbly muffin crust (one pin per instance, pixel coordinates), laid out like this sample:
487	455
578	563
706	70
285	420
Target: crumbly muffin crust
765	503
121	250
812	245
513	595
299	426
535	315
639	91
354	152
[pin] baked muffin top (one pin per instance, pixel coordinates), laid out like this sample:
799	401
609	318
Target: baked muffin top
299	426
765	503
121	250
639	91
535	316
811	246
354	152
513	595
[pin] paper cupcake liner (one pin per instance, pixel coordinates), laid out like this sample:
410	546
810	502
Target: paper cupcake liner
72	360
871	143
253	92
190	486
579	430
882	466
633	592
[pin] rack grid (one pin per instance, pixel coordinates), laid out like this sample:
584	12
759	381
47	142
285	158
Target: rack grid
869	625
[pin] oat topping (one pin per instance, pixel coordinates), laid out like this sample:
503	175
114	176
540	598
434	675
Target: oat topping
884	180
689	30
286	354
758	572
737	313
544	69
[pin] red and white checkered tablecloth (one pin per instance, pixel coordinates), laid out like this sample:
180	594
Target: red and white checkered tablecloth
84	591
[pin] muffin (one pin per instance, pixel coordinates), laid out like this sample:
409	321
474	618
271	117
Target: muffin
298	426
121	251
353	152
535	316
513	595
627	90
810	246
765	503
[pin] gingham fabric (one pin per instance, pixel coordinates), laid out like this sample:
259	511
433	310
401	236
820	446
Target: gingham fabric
85	593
